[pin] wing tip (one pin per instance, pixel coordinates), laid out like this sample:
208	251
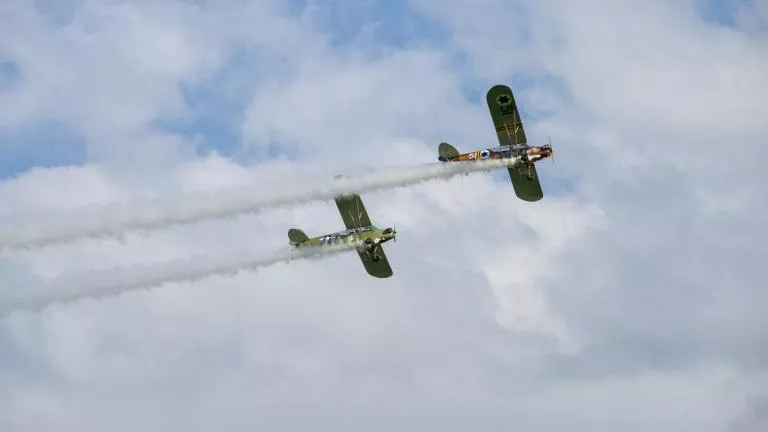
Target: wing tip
499	88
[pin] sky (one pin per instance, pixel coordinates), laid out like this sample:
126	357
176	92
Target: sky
630	298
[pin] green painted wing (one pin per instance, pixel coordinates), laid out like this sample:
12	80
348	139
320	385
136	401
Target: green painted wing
380	268
353	211
354	215
505	115
509	130
525	189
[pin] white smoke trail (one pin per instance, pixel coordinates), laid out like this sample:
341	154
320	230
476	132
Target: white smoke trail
116	220
106	283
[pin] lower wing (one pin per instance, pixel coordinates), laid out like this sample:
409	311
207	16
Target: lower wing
379	268
525	180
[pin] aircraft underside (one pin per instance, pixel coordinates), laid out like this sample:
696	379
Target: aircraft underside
370	244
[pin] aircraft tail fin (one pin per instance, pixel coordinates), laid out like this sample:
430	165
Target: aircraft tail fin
296	236
446	152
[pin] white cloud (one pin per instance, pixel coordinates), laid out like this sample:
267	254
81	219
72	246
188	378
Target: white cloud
631	299
384	108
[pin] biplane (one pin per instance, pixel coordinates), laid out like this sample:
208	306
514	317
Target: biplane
513	144
359	228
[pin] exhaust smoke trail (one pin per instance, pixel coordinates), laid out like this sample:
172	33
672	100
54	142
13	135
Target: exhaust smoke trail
116	220
107	283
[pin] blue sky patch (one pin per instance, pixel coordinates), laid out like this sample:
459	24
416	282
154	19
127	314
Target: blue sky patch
41	144
10	75
392	23
218	105
718	11
59	12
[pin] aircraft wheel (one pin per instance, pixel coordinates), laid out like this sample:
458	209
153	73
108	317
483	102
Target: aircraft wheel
368	240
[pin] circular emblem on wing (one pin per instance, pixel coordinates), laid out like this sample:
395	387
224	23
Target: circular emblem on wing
503	100
484	154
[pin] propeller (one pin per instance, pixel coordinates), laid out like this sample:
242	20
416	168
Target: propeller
552	155
394	233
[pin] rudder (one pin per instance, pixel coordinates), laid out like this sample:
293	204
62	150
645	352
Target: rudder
446	152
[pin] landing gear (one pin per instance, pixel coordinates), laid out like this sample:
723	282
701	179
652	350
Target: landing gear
372	249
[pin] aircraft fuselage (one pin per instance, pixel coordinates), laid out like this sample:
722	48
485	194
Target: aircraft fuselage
524	152
370	236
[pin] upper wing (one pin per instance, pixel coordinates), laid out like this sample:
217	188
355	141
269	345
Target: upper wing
353	211
506	117
380	268
526	189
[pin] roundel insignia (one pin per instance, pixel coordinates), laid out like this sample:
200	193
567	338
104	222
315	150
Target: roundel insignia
484	154
503	100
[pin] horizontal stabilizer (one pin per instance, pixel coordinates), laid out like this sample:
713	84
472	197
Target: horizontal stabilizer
446	152
296	236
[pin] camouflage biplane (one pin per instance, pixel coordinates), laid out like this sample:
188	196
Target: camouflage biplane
359	228
513	144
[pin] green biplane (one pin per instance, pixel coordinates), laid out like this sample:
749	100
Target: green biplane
513	144
359	228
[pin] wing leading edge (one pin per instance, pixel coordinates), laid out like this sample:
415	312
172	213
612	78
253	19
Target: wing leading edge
510	131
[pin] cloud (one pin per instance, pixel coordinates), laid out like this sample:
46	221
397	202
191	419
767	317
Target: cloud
628	298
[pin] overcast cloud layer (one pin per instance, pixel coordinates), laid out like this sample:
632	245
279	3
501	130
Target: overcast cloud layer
632	297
